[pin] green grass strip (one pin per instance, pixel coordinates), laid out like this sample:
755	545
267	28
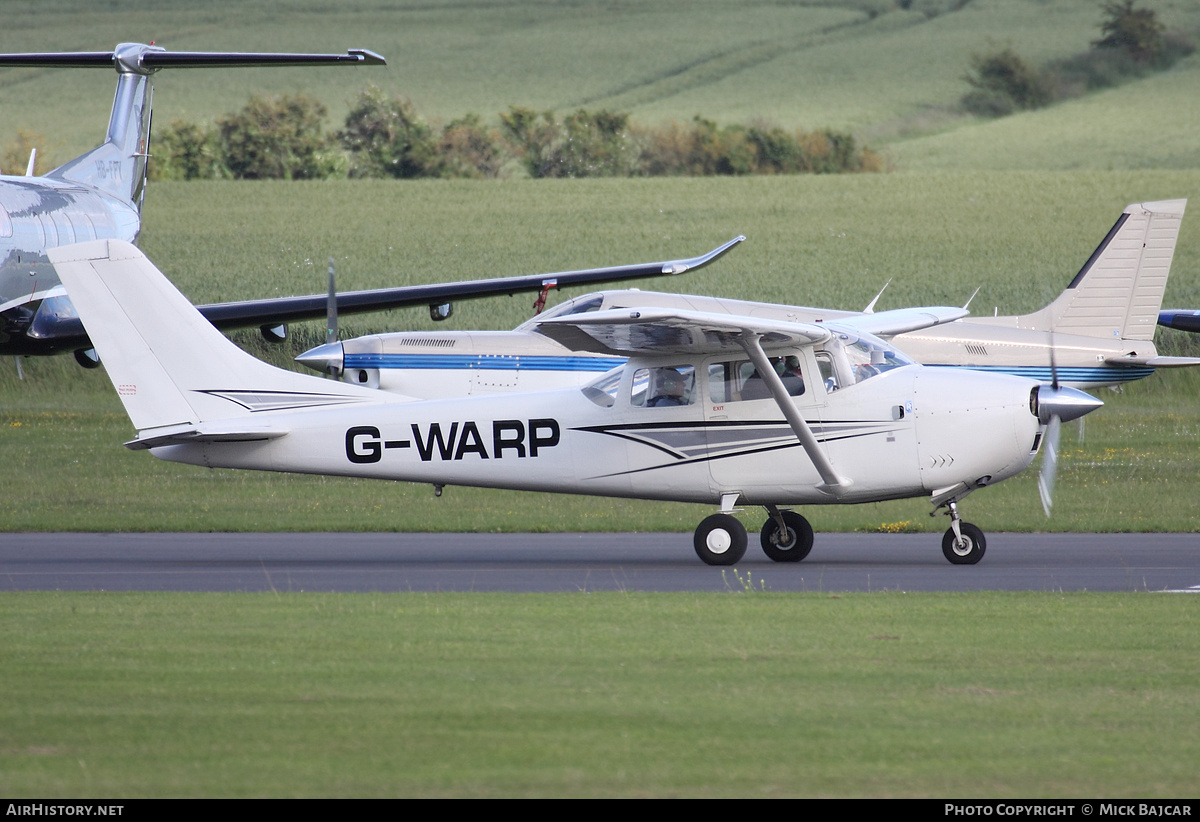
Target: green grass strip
746	693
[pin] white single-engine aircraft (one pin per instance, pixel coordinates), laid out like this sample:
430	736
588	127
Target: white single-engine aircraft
715	408
1101	329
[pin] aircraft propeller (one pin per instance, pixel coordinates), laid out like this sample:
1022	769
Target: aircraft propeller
1055	404
331	318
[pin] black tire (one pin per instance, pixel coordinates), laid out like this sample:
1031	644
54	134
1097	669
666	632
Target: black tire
720	540
971	551
797	543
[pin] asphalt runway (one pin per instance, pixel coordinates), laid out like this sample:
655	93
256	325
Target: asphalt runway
584	562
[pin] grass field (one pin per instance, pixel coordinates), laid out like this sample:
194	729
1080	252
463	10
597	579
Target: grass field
714	695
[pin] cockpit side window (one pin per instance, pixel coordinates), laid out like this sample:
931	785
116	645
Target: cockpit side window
664	386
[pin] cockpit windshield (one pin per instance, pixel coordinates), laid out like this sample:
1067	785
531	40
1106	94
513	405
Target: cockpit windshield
578	305
850	357
603	389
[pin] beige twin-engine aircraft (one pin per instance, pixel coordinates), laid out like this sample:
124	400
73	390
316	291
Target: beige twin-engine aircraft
723	407
1100	330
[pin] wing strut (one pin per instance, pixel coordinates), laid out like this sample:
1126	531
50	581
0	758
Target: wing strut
834	484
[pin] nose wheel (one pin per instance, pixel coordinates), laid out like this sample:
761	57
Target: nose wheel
963	543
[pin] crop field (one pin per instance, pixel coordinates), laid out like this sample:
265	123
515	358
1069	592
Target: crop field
889	74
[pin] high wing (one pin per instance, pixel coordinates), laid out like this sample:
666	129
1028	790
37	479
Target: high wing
272	312
658	331
902	320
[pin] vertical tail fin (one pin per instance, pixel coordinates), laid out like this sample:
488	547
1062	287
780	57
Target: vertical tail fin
168	364
1119	290
119	165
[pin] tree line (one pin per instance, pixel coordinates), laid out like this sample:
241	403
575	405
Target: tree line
383	136
1133	43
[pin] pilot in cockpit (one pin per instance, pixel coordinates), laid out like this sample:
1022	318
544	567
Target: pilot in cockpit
671	389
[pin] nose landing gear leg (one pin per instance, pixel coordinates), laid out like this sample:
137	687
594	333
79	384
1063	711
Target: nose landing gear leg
963	543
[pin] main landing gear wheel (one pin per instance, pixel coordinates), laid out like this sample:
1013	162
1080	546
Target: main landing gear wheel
791	546
969	550
720	540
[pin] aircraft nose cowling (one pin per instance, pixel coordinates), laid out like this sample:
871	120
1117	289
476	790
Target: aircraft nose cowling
1065	403
972	427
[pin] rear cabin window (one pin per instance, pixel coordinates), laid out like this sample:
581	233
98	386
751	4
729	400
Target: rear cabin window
739	380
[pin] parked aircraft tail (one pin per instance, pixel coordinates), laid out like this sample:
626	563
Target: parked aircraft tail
1119	290
179	378
118	166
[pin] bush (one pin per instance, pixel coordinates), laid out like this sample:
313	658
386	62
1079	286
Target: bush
468	149
387	138
279	137
583	144
282	138
1137	32
1003	83
14	158
186	151
704	148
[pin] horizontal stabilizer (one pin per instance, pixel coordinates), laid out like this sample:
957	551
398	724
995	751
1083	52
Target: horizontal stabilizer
1154	361
1181	319
142	59
192	435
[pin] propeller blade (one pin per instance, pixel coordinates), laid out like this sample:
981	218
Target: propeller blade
1049	464
331	328
1053	364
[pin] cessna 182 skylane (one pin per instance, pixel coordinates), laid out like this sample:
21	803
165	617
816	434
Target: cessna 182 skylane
696	413
99	195
1101	330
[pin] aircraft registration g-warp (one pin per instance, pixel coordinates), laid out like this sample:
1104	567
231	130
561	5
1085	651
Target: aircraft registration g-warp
697	413
1101	330
99	196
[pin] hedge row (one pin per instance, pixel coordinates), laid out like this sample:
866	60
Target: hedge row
284	137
